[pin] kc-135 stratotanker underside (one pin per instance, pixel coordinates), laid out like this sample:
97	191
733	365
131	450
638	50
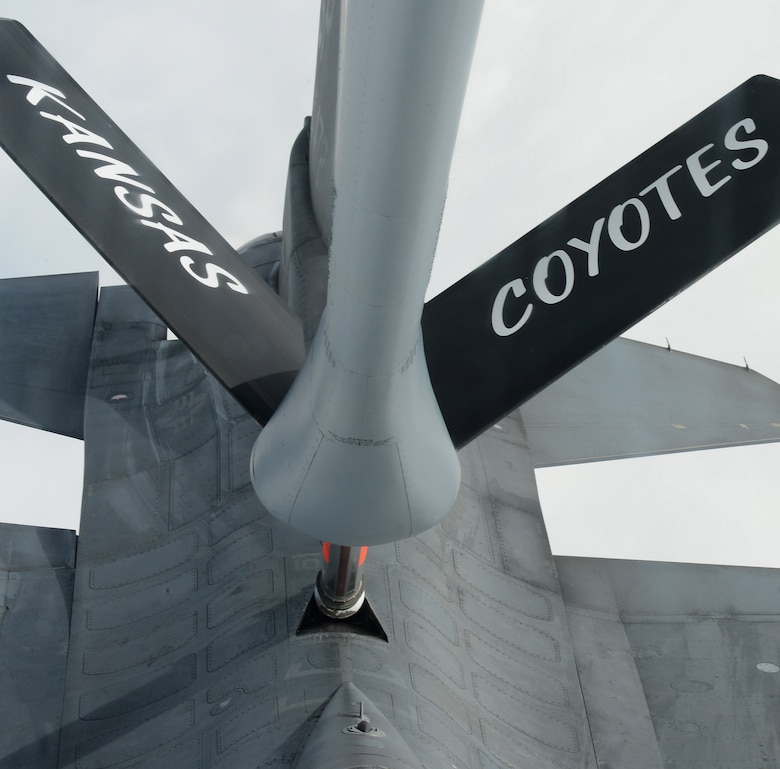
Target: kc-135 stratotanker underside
310	530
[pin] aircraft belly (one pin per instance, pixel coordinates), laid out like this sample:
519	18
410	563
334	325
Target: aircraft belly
188	594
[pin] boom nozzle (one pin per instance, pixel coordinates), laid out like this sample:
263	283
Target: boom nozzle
340	587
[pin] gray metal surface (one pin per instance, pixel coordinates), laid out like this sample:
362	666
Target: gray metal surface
303	270
632	399
187	645
36	587
699	644
45	338
188	595
183	648
351	731
360	428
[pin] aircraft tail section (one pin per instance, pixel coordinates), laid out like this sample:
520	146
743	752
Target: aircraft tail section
187	596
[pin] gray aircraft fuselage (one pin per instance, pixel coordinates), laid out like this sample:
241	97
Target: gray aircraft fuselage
179	627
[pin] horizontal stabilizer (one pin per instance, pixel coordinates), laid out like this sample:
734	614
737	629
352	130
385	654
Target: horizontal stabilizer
598	266
143	226
45	338
37	568
633	399
678	662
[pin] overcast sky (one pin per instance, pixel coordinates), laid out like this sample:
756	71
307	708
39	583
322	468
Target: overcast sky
561	95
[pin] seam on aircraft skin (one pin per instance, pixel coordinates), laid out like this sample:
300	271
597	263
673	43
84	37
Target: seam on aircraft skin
480	488
458	556
91	656
223	688
4	608
657	453
226	633
494	513
588	724
180	599
220	554
406	490
407	599
434	564
102	712
503	691
398	369
563	702
221	598
38	388
95	571
418	673
409	636
163	465
306	472
222	447
215	537
525	623
187	709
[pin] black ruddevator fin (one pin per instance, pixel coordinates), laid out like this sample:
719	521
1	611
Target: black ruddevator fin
187	273
604	262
